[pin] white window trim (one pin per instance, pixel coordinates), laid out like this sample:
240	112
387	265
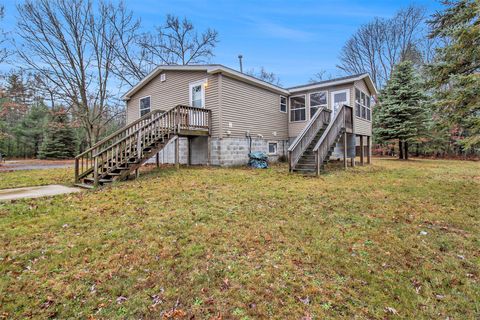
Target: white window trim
355	105
280	104
194	84
268	148
290	108
139	105
332	93
317	106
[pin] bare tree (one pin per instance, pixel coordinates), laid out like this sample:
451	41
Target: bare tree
382	43
264	75
72	44
175	42
320	76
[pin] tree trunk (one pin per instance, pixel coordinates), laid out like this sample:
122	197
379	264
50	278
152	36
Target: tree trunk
400	149
417	152
406	150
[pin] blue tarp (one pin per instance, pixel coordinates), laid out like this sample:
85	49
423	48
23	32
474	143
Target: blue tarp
258	160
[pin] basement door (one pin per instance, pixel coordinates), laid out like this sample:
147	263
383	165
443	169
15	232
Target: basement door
338	99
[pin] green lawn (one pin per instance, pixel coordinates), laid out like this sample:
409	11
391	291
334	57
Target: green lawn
30	178
391	240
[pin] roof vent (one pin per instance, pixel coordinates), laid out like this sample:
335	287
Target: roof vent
163	77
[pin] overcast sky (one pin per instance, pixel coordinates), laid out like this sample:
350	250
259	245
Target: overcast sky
294	39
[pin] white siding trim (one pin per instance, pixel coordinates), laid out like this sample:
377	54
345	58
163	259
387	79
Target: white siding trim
195	84
139	105
268	148
280	103
290	106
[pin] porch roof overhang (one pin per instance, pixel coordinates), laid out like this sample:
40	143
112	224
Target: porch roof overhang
335	82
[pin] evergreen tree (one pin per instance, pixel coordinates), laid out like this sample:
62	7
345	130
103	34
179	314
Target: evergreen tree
32	127
455	75
400	114
59	141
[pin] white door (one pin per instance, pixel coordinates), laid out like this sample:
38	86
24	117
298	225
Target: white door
197	94
339	98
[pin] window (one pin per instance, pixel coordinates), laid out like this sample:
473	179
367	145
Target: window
358	107
362	105
272	147
197	94
283	104
317	100
144	106
297	108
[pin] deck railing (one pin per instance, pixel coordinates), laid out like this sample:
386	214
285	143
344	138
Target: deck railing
306	136
341	121
142	132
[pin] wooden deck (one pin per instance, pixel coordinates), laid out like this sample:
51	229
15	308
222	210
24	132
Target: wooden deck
124	151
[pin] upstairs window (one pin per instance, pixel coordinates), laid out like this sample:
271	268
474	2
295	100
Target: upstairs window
144	106
283	104
362	105
297	108
317	100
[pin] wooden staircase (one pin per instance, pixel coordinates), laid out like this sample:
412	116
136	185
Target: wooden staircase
126	150
314	146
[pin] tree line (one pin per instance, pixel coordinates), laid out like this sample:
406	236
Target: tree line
82	55
72	59
428	71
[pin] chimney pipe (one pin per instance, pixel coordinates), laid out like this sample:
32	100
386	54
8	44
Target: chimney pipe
240	57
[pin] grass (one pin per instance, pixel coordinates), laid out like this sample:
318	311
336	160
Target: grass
30	178
391	240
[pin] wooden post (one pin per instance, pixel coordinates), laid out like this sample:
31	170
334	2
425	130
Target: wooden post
189	158
362	151
95	172
137	173
209	151
76	169
345	150
158	159
177	152
352	160
369	150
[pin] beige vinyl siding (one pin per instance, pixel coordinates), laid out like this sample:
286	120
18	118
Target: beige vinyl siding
362	126
173	91
248	107
294	128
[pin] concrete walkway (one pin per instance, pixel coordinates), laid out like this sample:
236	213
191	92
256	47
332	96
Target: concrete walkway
34	164
35	192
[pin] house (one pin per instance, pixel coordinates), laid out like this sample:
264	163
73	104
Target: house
214	115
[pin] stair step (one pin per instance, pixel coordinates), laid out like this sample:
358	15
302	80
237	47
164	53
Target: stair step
84	185
306	166
303	169
114	174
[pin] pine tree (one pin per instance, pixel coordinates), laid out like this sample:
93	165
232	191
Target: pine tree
455	74
400	114
32	128
59	141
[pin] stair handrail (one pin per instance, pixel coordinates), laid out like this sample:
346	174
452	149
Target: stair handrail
119	131
85	161
303	140
180	117
338	123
